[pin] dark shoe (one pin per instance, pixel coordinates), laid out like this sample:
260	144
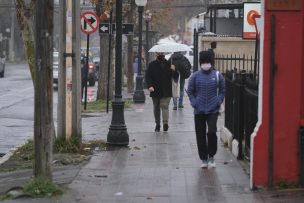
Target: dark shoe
174	108
157	128
180	106
166	127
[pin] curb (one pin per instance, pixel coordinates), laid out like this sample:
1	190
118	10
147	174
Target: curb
8	155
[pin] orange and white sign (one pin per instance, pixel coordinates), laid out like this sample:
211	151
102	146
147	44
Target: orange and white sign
251	10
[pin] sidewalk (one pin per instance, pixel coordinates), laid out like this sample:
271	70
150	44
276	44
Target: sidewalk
160	167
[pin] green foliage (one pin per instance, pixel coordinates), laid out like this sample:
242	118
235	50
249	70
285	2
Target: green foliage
21	159
26	151
6	196
101	105
42	187
62	145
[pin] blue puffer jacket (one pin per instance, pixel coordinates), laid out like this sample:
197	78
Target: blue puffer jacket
202	91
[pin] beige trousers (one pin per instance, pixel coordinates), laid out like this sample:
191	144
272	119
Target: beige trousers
161	106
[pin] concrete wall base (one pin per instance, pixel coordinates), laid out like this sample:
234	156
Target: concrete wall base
226	137
235	147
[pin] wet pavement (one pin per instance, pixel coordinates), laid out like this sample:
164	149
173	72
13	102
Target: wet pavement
157	167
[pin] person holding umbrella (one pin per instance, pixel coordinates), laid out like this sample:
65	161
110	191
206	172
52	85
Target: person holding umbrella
183	67
159	83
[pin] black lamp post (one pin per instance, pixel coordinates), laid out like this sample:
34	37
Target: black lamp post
139	95
148	16
118	134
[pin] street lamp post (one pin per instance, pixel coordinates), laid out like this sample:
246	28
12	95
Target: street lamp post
139	95
148	16
118	134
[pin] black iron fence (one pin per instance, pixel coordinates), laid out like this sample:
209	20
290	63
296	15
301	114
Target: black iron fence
237	64
241	101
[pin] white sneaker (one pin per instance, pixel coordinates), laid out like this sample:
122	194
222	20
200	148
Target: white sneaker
211	162
204	164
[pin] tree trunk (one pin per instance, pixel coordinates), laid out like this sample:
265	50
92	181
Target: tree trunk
25	20
103	69
130	73
43	117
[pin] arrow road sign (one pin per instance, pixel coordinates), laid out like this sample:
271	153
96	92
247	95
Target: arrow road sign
127	28
104	28
89	22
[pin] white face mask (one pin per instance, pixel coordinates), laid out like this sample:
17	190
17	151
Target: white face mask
205	66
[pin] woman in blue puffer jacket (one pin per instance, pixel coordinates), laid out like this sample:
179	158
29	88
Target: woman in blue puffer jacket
206	91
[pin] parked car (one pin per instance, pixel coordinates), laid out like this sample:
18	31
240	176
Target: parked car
2	67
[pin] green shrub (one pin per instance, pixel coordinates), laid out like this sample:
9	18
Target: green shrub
62	145
42	187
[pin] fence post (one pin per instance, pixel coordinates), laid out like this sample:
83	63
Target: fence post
241	116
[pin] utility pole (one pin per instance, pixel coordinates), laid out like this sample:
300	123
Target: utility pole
76	72
69	83
69	119
43	116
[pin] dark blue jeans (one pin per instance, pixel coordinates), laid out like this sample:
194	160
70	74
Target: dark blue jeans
181	94
206	141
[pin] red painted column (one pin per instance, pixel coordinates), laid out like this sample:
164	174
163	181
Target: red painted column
302	85
288	99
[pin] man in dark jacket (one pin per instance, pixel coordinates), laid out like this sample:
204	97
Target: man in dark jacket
159	83
206	90
179	60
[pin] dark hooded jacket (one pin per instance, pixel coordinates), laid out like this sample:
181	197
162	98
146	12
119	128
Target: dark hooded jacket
179	60
159	76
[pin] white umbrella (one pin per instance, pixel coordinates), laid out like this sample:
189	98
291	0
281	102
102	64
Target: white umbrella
170	47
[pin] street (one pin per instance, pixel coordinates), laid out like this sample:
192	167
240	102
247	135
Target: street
17	106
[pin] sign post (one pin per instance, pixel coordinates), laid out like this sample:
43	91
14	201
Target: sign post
89	24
